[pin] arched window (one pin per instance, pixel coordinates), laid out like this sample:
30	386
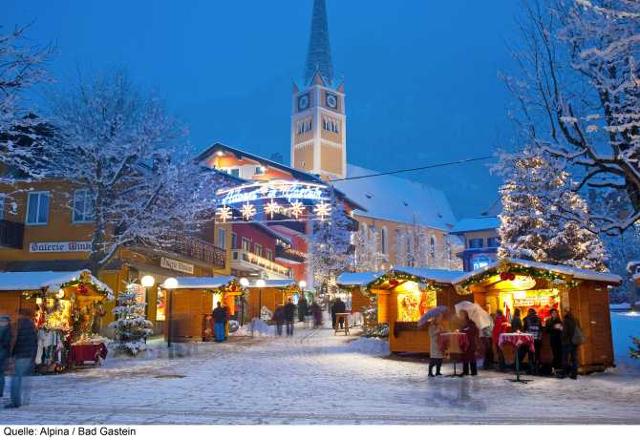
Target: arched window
383	240
432	246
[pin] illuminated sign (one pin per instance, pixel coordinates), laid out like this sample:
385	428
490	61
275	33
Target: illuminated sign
176	265
271	190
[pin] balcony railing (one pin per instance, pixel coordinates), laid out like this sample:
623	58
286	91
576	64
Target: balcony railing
11	234
261	262
201	250
290	254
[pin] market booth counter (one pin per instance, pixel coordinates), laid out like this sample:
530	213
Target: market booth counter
520	284
67	308
402	296
264	300
190	304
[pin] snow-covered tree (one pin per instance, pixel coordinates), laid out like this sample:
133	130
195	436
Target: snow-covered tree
330	251
22	66
120	147
536	199
579	95
131	328
622	249
368	256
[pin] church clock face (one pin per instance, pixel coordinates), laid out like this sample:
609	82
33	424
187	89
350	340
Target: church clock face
303	102
332	101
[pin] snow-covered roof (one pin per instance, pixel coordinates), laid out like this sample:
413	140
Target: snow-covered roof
437	275
48	279
277	283
394	198
351	279
202	282
605	277
476	224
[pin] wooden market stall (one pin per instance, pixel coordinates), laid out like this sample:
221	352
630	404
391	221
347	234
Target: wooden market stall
190	305
403	295
67	308
274	293
520	284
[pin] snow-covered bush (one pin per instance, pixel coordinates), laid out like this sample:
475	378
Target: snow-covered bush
131	327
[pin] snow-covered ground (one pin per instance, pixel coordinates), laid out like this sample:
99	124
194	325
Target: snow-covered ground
316	377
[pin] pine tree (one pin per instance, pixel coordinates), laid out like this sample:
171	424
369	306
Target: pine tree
330	247
131	328
542	218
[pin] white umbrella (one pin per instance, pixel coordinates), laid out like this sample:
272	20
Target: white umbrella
476	313
436	311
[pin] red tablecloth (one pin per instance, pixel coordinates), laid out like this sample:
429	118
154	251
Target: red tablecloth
453	342
517	339
87	352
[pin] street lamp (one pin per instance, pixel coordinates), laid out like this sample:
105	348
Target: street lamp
169	285
302	284
260	284
147	281
244	283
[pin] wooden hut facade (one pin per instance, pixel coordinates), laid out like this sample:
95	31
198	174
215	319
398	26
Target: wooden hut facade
274	293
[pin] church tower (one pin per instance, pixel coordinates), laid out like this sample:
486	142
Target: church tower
318	122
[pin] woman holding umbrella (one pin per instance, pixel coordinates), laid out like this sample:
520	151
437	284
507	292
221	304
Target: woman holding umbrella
469	364
435	353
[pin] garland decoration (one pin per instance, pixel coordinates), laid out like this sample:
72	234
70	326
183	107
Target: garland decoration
395	278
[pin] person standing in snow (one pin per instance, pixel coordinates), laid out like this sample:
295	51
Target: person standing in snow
487	346
5	348
316	312
219	322
533	326
278	317
289	316
554	328
24	353
303	306
338	307
435	353
469	364
500	325
569	346
516	322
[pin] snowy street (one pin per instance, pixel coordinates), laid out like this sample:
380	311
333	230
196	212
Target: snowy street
315	378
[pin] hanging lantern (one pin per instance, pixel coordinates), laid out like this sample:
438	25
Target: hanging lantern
60	294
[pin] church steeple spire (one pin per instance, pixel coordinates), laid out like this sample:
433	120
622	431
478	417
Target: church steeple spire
319	54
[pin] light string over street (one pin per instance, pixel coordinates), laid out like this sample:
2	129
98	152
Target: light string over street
406	170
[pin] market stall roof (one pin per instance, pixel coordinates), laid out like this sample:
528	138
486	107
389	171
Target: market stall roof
45	280
438	275
581	274
202	282
352	279
277	283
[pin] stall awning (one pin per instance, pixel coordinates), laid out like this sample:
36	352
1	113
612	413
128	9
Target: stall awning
51	281
442	276
357	279
574	272
279	284
202	282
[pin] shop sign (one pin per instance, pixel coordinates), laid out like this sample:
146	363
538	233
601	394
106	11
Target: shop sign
59	246
176	265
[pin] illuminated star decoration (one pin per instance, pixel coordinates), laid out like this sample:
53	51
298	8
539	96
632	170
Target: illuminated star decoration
322	210
296	209
248	211
272	208
224	213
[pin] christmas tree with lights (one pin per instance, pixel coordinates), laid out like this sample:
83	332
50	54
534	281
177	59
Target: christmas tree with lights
131	327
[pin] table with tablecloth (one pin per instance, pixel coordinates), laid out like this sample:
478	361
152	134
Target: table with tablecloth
453	342
87	352
517	340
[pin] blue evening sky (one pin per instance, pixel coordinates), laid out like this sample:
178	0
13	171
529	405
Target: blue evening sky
422	76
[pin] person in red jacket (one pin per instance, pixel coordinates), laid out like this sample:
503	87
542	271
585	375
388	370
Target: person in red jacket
469	364
500	325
